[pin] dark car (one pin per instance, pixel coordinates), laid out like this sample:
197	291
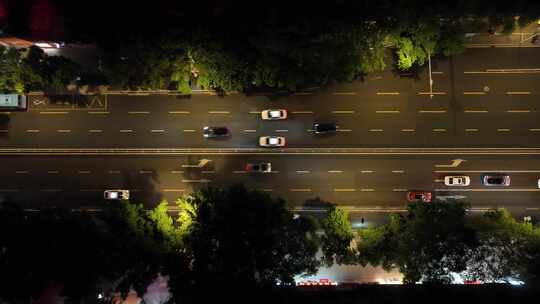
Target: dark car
415	195
261	167
496	180
210	132
325	128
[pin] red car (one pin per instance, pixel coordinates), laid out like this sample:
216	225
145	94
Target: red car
415	195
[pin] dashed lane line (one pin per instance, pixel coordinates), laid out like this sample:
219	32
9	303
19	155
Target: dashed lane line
343	112
474	93
344	130
399	190
177	172
518	93
114	171
471	130
99	112
250	131
157	131
335	171
367	190
63	131
476	111
53	172
9	190
174	190
301	190
146	171
431	93
179	112
376	130
138	112
208	172
239	172
534	130
432	111
189	130
303	171
398	171
518	111
84	171
303	93
126	131
367	171
53	112
387	112
439	130
344	190
302	112
408	130
503	130
387	93
254	112
51	190
95	131
196	181
32	131
21	172
282	130
219	112
343	93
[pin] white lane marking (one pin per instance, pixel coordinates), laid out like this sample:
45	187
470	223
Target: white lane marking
282	130
398	171
367	190
476	111
376	130
114	171
267	190
98	112
387	93
95	131
51	112
208	172
534	130
4	131
21	172
437	72
343	112
366	171
491	190
9	190
303	93
63	131
32	131
84	171
254	112
471	130
431	93
126	131
518	111
439	130
196	181
189	130
344	190
157	131
344	130
301	190
343	93
303	171
179	112
219	112
518	93
407	130
438	180
174	190
534	208
250	131
387	112
503	130
474	93
302	112
432	111
53	172
239	172
177	172
335	171
399	190
146	171
138	112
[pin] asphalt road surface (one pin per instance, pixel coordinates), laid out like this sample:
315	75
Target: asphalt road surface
361	184
483	98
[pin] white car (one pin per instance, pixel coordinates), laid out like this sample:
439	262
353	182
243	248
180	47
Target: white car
457	180
274	114
116	194
539	183
272	141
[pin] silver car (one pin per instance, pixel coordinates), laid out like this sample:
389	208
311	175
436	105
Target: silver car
272	141
274	114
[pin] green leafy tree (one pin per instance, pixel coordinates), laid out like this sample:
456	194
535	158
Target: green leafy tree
241	236
338	235
427	244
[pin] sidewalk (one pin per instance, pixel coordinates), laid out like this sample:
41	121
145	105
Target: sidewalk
523	37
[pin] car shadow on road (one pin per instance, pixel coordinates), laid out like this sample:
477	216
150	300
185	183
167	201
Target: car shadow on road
4	126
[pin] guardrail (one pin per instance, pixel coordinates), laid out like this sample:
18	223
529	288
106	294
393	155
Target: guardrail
283	151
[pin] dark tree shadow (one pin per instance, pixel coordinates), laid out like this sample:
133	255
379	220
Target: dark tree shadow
4	125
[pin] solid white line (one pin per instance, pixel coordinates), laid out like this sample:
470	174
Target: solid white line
53	112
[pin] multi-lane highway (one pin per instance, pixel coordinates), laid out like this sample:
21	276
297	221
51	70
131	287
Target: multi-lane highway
485	98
